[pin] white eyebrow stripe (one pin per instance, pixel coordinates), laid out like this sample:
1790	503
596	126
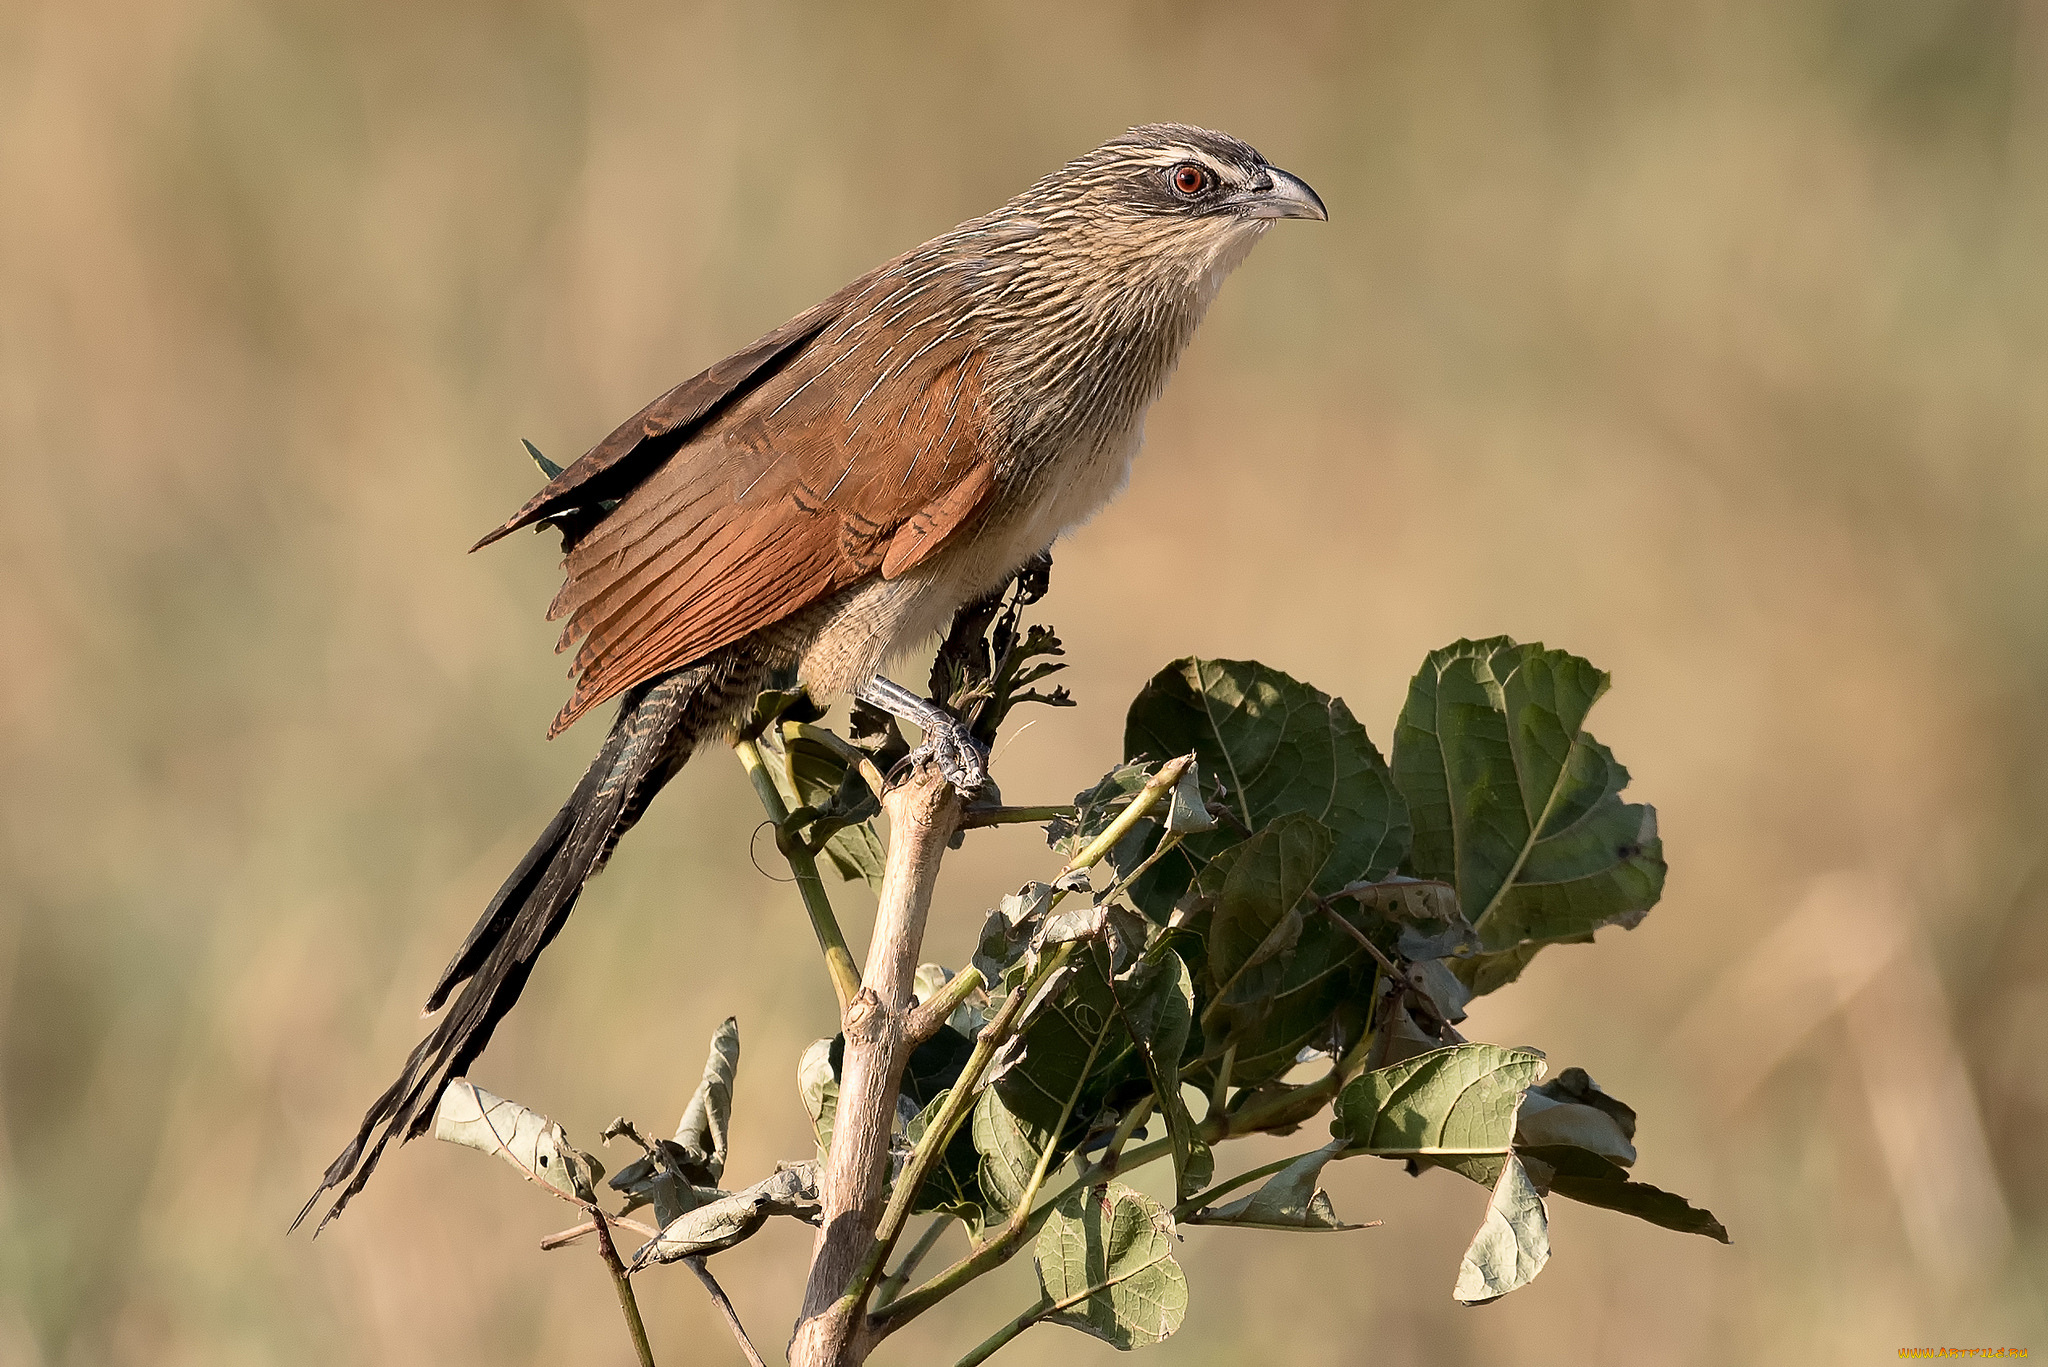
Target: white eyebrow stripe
1174	156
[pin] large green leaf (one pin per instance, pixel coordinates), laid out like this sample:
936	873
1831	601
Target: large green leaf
1517	806
1270	1009
1279	747
1258	908
1105	1265
1009	1147
1075	1046
1459	1100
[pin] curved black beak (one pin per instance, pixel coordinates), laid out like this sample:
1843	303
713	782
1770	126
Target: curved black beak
1289	197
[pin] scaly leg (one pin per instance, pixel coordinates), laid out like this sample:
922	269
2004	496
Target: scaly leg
947	742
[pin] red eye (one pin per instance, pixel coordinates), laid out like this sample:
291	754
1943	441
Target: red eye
1190	179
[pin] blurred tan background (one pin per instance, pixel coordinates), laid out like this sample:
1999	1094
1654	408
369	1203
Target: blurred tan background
1708	341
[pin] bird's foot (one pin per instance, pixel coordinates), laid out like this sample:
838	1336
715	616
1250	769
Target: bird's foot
959	757
947	741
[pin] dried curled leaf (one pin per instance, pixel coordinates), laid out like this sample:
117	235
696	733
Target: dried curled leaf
707	1120
1290	1199
718	1225
1513	1242
535	1145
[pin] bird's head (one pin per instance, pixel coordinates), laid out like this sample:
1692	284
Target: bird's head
1168	195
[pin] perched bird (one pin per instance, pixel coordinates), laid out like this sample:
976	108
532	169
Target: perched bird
830	495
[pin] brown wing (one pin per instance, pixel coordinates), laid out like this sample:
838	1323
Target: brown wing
859	455
658	429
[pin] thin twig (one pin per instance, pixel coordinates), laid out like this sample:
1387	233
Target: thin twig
561	1238
725	1307
986	1349
623	1284
886	1290
975	817
852	756
1359	936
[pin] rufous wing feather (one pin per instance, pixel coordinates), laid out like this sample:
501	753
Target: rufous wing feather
859	455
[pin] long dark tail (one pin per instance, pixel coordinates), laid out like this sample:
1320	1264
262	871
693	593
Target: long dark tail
658	725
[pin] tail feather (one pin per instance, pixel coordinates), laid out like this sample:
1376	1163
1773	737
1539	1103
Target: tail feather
657	727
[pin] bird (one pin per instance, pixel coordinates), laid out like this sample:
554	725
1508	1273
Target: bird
826	498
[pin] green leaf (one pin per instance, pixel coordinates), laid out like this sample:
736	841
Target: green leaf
1457	1100
535	1145
846	809
1009	1147
817	1082
1290	1199
1258	912
1516	806
1075	1036
1279	747
1157	1003
953	1185
1105	1263
1280	1003
1100	805
1513	1242
707	1120
1588	1178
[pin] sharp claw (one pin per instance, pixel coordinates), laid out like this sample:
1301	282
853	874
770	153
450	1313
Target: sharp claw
959	759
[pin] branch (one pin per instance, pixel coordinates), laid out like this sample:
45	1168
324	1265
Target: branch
996	1034
849	754
887	1289
564	1237
929	1016
804	864
977	817
924	814
987	1348
732	1319
623	1284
